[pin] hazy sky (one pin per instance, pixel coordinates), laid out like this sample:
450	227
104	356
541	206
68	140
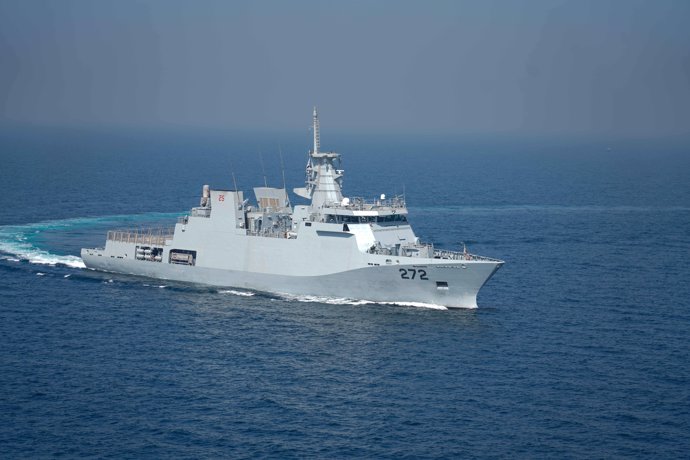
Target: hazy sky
584	68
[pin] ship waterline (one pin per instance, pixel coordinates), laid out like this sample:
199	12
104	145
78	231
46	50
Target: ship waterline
336	247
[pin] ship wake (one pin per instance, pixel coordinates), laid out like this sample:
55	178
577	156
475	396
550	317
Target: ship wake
19	242
16	245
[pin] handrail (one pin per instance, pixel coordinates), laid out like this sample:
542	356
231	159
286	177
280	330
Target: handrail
457	255
361	204
151	236
276	234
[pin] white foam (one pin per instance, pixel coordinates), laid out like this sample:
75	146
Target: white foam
162	286
355	302
15	244
234	292
416	305
326	300
46	258
40	274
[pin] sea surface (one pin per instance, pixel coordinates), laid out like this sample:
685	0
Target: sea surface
579	347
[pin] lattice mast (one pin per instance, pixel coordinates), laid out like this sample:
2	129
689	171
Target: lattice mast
317	140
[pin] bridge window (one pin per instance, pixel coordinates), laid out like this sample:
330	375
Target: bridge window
392	218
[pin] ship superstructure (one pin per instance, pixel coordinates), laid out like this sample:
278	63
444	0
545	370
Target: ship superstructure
336	246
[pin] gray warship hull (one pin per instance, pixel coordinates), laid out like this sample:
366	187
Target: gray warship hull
336	246
446	284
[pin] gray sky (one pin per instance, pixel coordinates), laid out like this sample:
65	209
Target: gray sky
538	68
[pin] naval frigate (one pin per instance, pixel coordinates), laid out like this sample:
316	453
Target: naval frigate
335	247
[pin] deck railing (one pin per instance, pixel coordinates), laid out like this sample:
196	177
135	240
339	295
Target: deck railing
428	250
151	236
457	255
274	234
361	204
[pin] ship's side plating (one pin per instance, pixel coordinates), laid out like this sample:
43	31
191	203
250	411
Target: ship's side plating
335	247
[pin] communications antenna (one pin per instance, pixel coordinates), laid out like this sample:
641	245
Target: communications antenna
234	182
263	169
282	171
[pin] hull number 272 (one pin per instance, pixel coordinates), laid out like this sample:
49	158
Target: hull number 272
411	273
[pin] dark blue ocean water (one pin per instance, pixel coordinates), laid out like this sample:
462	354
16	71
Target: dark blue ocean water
579	348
